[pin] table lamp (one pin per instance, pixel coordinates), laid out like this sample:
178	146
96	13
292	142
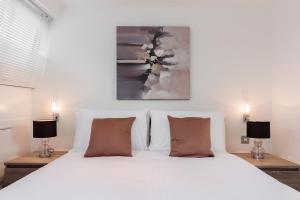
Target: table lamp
258	131
45	129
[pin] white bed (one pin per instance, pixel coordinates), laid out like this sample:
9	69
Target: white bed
148	175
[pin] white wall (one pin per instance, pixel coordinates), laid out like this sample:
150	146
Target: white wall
286	79
15	112
52	7
230	58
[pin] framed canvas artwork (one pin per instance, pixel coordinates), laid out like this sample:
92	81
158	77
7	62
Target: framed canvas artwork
153	62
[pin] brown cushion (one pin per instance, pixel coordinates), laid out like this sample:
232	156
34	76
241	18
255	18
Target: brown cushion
110	137
190	137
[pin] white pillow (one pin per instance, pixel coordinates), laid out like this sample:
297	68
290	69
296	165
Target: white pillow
160	128
84	119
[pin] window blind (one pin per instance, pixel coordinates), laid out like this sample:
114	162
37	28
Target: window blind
23	44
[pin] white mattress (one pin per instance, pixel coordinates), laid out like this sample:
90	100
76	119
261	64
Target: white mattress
148	175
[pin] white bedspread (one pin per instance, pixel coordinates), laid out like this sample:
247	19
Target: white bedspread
148	176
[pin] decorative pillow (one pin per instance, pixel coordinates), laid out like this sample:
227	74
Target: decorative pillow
110	137
160	128
84	119
190	137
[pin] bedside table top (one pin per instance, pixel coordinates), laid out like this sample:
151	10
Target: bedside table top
33	159
270	162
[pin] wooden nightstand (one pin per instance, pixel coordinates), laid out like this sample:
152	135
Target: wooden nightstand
18	168
284	171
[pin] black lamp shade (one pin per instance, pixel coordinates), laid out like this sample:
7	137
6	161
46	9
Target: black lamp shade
44	129
258	130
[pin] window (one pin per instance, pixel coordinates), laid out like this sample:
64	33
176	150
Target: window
23	43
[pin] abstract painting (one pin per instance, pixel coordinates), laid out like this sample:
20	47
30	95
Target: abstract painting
153	62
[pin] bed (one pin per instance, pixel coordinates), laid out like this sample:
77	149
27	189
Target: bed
148	175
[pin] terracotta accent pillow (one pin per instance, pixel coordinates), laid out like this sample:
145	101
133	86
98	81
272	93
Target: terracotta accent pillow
110	137
190	137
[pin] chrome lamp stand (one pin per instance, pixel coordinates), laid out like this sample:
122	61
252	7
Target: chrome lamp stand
258	151
45	151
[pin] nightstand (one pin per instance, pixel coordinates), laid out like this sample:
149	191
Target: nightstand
284	171
18	168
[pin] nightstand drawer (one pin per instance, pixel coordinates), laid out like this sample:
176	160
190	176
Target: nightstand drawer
19	167
283	170
290	178
14	174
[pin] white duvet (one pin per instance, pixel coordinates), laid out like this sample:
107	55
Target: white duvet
148	175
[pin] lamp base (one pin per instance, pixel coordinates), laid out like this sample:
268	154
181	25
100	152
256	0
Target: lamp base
258	151
45	151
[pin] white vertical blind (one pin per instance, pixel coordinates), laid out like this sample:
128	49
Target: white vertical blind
23	44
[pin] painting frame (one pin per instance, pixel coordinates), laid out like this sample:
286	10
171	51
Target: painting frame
153	62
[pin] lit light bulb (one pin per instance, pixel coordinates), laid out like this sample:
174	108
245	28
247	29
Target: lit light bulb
247	108
55	110
54	107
